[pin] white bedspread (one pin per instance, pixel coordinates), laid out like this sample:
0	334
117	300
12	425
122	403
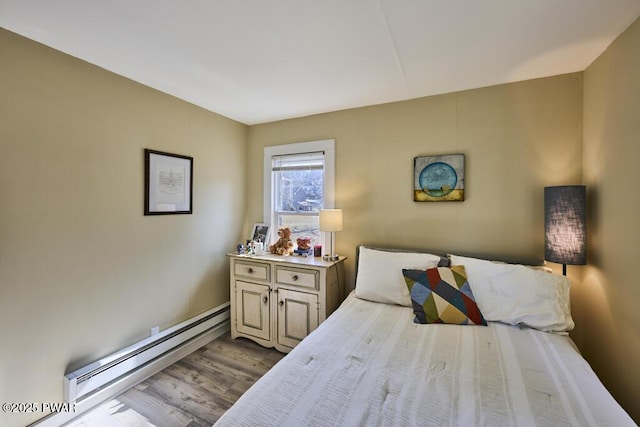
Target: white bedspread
370	365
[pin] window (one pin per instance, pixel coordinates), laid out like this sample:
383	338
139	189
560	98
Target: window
299	181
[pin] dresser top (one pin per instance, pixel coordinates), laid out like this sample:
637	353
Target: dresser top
290	259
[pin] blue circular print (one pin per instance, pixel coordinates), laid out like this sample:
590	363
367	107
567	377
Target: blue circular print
438	179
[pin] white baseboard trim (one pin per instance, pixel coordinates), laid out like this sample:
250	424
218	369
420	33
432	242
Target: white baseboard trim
135	377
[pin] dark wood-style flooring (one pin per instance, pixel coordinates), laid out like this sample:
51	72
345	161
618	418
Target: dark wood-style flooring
194	391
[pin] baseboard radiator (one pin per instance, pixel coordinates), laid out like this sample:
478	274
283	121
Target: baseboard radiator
82	383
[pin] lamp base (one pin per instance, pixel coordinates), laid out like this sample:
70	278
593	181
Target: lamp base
330	257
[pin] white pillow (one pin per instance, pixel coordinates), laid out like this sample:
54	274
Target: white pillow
380	274
519	295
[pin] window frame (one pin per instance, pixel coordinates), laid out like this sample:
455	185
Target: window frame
328	182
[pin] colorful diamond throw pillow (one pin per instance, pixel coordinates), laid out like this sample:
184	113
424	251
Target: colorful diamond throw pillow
442	295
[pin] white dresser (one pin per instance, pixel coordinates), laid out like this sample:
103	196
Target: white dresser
276	301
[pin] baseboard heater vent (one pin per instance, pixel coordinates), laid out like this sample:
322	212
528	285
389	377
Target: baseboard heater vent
80	383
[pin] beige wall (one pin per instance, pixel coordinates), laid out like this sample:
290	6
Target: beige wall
517	138
608	318
82	272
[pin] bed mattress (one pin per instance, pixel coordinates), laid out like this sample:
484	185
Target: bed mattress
368	364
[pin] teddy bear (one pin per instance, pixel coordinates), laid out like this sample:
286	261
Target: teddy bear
304	243
304	246
284	245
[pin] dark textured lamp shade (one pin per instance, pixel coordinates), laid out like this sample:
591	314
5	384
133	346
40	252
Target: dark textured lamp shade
565	229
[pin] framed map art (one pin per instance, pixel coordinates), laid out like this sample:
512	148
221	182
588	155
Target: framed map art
438	178
167	183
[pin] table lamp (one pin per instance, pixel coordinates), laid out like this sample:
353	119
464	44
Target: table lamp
331	221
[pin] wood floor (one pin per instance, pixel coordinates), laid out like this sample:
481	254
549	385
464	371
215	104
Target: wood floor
195	391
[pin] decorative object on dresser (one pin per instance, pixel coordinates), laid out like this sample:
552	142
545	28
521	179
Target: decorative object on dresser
331	221
304	246
168	182
438	178
276	301
284	245
565	229
260	233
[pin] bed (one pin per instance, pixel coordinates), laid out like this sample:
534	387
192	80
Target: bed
374	362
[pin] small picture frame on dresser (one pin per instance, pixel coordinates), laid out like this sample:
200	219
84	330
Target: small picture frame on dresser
260	233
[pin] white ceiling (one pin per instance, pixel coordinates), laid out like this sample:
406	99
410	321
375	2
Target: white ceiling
258	61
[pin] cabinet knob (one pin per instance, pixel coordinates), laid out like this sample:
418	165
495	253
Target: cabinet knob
250	270
295	277
281	303
265	300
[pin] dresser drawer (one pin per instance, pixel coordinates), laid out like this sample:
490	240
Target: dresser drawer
252	270
297	277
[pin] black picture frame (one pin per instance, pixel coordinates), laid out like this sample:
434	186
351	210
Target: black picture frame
168	183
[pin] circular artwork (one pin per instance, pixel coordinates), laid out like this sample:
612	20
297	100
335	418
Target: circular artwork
438	179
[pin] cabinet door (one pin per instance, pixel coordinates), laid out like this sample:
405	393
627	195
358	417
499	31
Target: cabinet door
252	309
297	316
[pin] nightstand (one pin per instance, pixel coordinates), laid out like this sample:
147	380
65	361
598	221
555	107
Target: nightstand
276	301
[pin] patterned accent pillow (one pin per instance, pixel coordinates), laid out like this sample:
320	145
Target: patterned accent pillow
442	295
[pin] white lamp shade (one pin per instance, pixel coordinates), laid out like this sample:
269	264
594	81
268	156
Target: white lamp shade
331	220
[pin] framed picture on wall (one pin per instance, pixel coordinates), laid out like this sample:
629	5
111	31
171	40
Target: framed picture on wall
168	188
260	233
438	178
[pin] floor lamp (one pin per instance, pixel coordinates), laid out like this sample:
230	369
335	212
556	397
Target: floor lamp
565	229
331	221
